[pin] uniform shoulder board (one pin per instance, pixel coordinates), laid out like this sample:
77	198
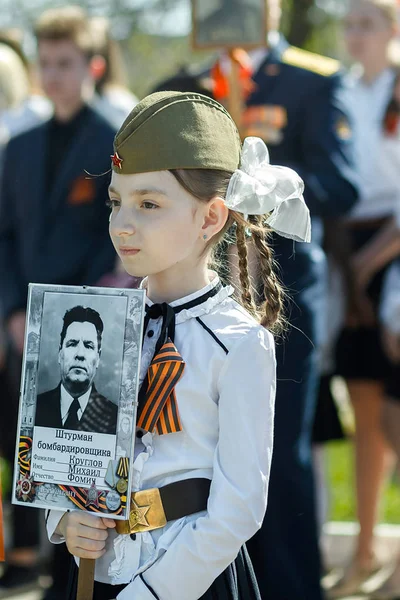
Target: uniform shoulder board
310	61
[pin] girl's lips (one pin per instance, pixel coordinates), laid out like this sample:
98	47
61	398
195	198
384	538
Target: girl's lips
128	251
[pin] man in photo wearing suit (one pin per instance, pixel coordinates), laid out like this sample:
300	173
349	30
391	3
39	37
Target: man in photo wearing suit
75	403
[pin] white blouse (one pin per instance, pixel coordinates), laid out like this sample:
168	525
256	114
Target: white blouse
226	406
377	154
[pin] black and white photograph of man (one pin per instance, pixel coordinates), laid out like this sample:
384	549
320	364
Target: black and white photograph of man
80	361
75	403
229	22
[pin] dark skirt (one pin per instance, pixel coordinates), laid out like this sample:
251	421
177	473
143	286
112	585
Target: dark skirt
237	582
359	352
327	425
392	387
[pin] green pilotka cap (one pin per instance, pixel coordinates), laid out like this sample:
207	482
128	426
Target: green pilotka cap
174	130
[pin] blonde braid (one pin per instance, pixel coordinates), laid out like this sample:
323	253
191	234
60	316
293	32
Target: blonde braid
273	306
205	184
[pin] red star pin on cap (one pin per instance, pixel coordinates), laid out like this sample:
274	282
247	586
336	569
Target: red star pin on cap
116	160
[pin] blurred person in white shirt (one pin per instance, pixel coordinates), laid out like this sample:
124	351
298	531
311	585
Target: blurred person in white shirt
372	101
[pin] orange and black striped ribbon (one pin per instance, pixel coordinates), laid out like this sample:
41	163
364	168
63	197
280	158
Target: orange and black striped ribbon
159	412
24	459
79	496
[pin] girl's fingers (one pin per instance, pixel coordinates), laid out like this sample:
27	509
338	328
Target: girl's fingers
81	553
87	519
92	534
89	545
109	523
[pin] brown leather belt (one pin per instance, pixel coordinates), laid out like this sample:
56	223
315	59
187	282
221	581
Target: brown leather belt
152	509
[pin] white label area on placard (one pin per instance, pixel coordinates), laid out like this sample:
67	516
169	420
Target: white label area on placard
67	457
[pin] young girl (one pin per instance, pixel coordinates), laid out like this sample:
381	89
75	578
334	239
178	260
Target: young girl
371	101
176	190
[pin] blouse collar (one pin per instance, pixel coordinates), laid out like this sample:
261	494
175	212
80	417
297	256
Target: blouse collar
199	303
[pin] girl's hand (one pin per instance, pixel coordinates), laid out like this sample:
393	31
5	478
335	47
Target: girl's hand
391	344
85	535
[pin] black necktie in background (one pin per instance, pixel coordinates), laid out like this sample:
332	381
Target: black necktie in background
72	420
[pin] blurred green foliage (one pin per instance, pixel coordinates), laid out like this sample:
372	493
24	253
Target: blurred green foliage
340	480
6	476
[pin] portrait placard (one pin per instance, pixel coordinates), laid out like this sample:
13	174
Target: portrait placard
229	24
78	400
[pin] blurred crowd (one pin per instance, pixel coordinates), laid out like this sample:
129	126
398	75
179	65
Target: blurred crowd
341	131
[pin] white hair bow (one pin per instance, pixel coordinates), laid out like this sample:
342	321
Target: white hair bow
259	188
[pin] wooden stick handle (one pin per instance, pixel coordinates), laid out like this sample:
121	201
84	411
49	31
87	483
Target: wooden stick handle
235	101
86	579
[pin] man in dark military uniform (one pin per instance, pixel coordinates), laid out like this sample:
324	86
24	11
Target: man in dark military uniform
295	109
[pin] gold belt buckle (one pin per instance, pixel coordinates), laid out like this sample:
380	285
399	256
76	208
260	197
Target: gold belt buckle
147	511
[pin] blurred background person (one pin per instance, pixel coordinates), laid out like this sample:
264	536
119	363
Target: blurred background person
51	217
294	107
20	109
22	104
371	100
390	319
112	99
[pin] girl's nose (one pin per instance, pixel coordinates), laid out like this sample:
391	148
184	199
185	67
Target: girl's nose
121	224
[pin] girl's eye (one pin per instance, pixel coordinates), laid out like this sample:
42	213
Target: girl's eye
112	203
149	205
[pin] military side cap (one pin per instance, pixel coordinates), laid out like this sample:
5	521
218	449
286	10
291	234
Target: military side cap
174	130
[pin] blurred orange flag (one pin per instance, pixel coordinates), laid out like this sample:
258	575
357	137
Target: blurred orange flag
2	557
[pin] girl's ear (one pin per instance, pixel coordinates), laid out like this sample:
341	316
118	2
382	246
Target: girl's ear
215	217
